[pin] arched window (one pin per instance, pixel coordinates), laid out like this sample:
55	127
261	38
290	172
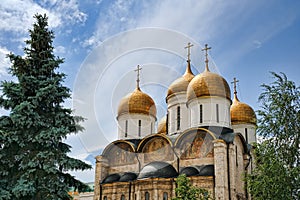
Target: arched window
217	112
246	134
201	113
105	198
236	156
140	127
178	118
122	197
147	196
165	197
126	128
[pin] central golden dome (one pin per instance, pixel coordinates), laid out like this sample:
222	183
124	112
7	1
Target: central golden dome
181	84
137	102
241	113
208	84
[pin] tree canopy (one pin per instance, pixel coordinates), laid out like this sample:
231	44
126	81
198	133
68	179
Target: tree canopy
277	172
186	191
34	161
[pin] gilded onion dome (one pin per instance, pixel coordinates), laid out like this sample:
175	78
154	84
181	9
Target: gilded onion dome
181	84
241	113
208	84
162	125
137	102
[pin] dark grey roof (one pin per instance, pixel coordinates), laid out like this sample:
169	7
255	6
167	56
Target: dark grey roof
158	170
227	137
217	130
173	137
134	142
189	171
111	178
128	176
206	170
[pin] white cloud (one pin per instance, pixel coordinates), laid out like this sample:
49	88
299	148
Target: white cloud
59	50
118	16
17	15
4	61
67	10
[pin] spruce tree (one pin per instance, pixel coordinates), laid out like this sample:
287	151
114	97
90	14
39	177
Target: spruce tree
33	157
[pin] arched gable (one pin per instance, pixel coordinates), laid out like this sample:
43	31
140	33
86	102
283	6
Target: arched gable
195	143
239	136
240	148
120	152
156	147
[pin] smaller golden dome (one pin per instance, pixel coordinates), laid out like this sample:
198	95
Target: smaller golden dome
241	113
162	125
208	84
137	102
181	84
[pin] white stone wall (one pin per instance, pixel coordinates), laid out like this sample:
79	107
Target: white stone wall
251	131
173	102
147	125
221	173
209	112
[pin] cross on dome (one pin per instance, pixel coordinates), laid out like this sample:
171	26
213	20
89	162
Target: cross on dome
138	76
206	56
235	81
188	47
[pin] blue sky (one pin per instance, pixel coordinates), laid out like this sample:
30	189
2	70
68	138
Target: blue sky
102	41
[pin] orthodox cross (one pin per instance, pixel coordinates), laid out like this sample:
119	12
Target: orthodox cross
206	55
138	76
189	45
234	84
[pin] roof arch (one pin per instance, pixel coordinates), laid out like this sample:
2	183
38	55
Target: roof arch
120	152
158	170
190	171
194	144
109	147
245	145
149	137
191	130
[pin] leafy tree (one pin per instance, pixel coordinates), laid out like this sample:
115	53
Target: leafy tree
33	157
185	190
277	172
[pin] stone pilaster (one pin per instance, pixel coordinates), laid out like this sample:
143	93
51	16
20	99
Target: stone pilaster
101	171
232	170
221	173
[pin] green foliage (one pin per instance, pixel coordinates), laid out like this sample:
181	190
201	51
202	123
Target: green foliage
33	157
277	174
185	190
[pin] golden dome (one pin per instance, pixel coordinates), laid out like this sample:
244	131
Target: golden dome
181	84
208	84
137	102
241	113
162	125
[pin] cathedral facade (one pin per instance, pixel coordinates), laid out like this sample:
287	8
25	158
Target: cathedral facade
204	135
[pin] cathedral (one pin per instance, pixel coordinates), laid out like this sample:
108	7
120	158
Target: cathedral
205	135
